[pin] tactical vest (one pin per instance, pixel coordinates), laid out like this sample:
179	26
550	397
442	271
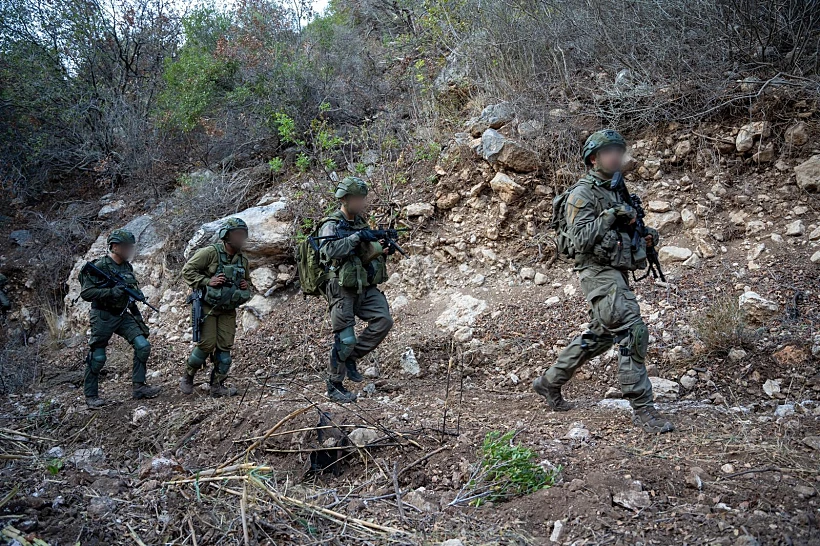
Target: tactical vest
228	296
618	248
355	271
126	272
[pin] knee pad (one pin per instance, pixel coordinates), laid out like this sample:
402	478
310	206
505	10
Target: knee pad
223	360
142	348
197	358
636	343
96	360
345	341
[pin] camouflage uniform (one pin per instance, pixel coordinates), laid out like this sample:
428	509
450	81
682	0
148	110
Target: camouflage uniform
596	216
113	313
352	292
218	307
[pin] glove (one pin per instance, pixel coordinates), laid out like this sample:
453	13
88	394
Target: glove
656	238
366	235
117	293
625	212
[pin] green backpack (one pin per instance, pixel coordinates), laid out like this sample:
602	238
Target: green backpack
312	273
559	222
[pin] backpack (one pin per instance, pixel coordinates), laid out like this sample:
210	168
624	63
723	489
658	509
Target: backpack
559	222
312	273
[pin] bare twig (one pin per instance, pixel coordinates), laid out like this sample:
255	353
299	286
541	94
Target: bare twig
397	490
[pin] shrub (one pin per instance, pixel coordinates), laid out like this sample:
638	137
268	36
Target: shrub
723	327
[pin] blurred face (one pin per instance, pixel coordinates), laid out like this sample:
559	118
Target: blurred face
236	238
609	159
355	204
123	250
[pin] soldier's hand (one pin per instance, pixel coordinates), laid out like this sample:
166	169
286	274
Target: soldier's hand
217	280
650	242
117	292
243	284
366	235
625	211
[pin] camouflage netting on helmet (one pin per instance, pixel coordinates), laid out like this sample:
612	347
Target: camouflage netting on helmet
230	225
121	236
351	185
601	139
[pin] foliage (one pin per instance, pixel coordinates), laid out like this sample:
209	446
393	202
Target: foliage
505	470
723	327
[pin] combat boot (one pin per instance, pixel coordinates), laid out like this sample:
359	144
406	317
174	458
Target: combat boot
95	402
218	390
141	390
352	373
650	420
338	393
552	393
186	384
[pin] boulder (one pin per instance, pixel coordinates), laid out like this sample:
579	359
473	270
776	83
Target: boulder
496	116
530	129
756	308
815	258
507	189
269	234
797	134
673	254
664	222
419	210
461	311
260	306
111	209
659	206
540	279
263	278
499	150
148	262
808	174
765	154
448	200
527	273
795	229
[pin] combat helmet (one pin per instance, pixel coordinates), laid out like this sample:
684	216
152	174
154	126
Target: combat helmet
231	224
121	236
351	185
601	139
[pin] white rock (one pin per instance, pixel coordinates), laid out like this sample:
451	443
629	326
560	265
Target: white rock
757	308
815	258
260	306
688	382
815	234
557	531
111	208
748	133
755	251
772	387
784	410
621	404
664	389
727	468
527	273
409	363
361	437
424	210
540	279
673	254
570	290
795	229
139	414
463	334
632	500
372	372
462	311
269	234
87	456
452	542
552	301
399	302
754	227
664	222
507	189
660	206
737	355
263	278
578	432
689	218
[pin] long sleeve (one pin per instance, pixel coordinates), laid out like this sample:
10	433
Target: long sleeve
586	227
339	248
91	292
195	271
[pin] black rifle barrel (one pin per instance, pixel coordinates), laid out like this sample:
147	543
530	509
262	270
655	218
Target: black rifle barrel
116	280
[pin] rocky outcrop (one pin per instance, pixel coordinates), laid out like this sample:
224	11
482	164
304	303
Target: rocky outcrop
503	152
808	174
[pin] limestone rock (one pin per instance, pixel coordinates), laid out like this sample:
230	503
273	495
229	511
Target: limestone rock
749	133
416	210
448	200
260	306
362	437
737	355
527	273
269	234
664	222
462	311
683	148
772	387
808	174
795	229
493	116
797	134
87	456
660	206
815	258
689	218
508	190
765	154
263	278
664	390
409	363
540	279
673	254
497	149
756	308
632	500
111	209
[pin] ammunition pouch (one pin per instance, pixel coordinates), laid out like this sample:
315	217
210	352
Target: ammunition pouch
616	250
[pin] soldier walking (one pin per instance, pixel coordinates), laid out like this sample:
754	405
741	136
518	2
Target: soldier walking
597	224
220	272
114	312
356	265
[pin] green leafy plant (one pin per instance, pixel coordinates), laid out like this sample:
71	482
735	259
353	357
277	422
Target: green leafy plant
54	466
303	162
505	470
276	164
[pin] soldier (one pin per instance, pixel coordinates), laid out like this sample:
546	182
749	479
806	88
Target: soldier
113	312
356	265
595	217
220	271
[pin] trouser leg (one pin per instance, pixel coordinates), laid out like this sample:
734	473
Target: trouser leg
580	350
206	346
635	383
374	310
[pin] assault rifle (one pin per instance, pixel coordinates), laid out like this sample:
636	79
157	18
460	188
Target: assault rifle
639	230
117	280
195	299
343	229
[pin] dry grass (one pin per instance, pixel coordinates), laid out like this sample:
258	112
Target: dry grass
722	327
